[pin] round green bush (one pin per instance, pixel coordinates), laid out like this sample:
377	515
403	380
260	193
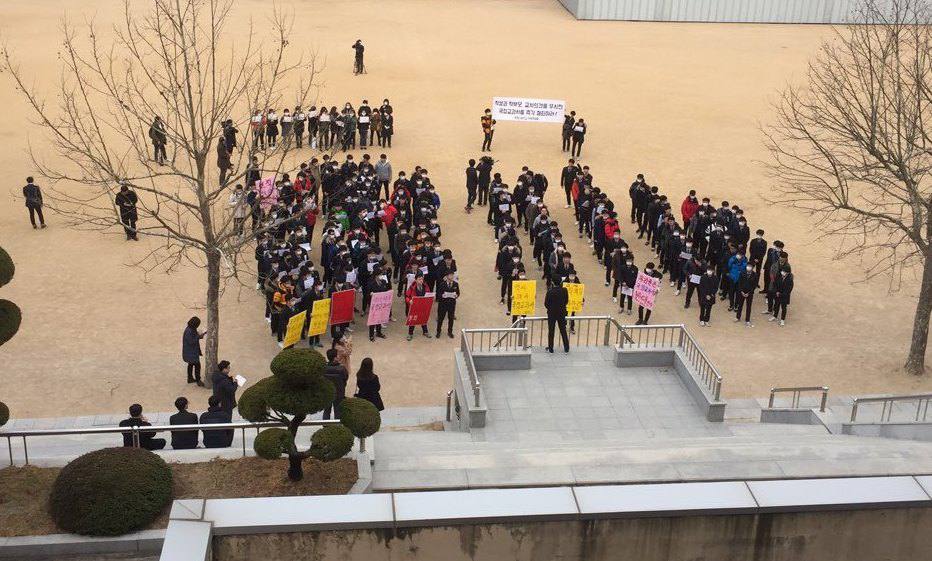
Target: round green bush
360	417
253	403
272	443
4	413
300	401
331	443
297	368
10	318
7	268
111	492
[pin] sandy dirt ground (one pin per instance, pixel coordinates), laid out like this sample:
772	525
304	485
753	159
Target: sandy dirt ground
680	103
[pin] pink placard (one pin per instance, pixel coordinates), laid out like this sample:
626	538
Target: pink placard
645	290
380	307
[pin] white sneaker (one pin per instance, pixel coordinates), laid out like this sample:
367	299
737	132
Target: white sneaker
629	312
782	323
737	319
614	298
772	318
567	206
672	283
258	286
676	292
748	324
701	323
765	313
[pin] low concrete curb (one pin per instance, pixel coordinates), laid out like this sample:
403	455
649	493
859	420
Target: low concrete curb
364	476
147	541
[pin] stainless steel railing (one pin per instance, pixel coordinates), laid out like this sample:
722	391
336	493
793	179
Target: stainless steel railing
470	368
585	331
676	336
496	340
797	392
135	431
888	403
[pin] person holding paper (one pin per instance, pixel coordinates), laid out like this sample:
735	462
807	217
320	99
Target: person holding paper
418	288
692	272
487	130
569	121
745	287
378	283
644	313
628	276
191	350
579	136
448	291
225	386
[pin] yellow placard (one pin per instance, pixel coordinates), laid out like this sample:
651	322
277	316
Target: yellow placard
295	325
523	295
320	315
576	292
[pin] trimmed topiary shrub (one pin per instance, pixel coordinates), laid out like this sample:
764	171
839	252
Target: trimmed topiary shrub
7	268
4	413
360	417
331	442
272	443
291	366
10	318
111	492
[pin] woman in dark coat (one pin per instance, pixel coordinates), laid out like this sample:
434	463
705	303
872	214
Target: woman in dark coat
191	350
367	384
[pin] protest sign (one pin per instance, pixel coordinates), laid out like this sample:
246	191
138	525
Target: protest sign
419	310
293	333
645	290
528	110
341	307
523	295
576	293
268	194
380	307
320	313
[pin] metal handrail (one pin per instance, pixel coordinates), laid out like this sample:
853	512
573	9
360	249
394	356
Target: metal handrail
598	331
514	338
886	412
470	368
135	430
797	391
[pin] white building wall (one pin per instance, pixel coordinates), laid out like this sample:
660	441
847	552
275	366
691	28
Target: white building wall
738	11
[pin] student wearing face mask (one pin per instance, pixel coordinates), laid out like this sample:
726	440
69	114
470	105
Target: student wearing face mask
679	267
744	293
782	287
736	265
772	274
484	167
708	286
418	288
569	121
689	206
448	291
757	250
377	283
555	302
507	264
692	273
472	184
626	277
643	313
487	130
613	258
773	257
388	129
579	136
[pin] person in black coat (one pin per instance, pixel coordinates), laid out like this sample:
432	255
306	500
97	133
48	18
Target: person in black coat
33	195
757	250
146	438
367	384
744	293
358	66
782	287
579	136
224	386
338	376
708	286
448	291
191	350
555	301
644	313
472	184
567	177
125	202
215	415
183	439
485	178
223	160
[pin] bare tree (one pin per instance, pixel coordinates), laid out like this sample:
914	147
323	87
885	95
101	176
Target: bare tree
178	62
853	147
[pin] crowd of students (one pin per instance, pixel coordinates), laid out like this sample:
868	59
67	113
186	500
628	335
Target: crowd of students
361	214
708	250
321	127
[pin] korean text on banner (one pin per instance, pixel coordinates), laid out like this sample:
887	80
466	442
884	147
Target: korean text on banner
419	310
528	110
645	290
320	313
575	292
523	295
380	307
268	194
293	333
341	306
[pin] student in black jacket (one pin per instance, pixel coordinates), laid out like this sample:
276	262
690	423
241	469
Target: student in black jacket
782	287
708	286
644	313
485	178
744	293
183	439
757	250
472	184
215	415
146	438
579	136
567	176
224	386
555	301
33	195
448	291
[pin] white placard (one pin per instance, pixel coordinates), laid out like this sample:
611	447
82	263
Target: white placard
240	380
527	109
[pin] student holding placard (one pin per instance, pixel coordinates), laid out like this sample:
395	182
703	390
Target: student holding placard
448	292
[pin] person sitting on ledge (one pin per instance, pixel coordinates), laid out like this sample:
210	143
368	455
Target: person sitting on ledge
146	438
215	415
183	439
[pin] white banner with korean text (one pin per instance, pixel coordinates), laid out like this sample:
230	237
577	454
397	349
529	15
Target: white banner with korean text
526	109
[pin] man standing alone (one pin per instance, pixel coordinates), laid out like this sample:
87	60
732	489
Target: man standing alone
33	196
126	201
358	66
472	184
555	301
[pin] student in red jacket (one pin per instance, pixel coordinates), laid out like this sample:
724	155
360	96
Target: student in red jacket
689	206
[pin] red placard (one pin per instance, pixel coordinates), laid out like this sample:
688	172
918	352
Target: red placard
419	310
341	307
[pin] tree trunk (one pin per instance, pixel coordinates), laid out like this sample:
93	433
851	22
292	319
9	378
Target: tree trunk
295	467
915	364
212	341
